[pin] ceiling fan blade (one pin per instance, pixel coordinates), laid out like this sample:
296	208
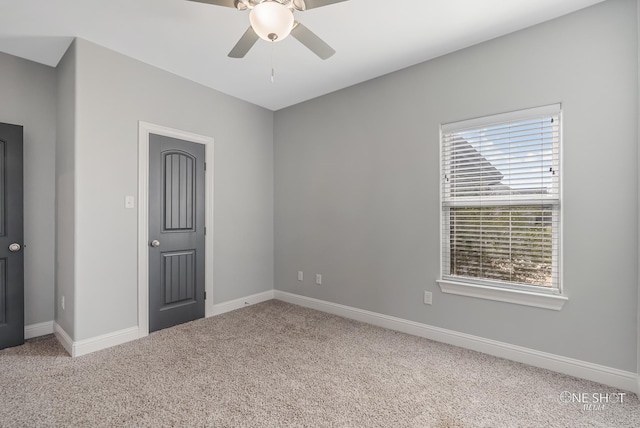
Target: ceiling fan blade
313	42
246	42
312	4
225	3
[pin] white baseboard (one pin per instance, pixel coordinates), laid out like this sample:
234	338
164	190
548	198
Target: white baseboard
232	305
623	380
37	330
64	339
93	344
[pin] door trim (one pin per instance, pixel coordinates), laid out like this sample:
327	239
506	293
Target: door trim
144	129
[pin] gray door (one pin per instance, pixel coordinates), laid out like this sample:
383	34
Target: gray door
11	235
176	231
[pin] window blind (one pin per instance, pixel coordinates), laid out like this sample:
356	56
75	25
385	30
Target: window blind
501	199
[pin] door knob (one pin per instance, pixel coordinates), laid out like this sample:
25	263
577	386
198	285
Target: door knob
14	247
155	243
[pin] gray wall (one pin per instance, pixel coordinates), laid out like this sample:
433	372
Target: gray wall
65	191
638	136
357	184
29	99
114	92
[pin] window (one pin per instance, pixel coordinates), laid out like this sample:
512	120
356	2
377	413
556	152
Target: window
501	207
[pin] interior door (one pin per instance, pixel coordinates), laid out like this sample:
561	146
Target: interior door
176	231
11	235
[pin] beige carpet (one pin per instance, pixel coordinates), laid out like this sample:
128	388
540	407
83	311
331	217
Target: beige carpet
276	364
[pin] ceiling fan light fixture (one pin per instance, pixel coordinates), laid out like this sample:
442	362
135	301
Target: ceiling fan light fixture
271	20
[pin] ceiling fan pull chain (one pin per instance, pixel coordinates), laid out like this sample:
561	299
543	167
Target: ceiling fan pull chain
273	70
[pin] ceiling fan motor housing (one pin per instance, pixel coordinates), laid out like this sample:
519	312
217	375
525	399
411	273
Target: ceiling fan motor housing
250	4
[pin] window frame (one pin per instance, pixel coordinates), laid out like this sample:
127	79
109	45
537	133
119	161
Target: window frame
529	295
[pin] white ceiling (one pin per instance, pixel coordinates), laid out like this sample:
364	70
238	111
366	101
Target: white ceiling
371	37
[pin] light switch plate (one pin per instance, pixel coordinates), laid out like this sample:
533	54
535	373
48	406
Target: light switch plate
129	202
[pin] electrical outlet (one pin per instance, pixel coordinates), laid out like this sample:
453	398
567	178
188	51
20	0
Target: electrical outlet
300	275
62	302
318	279
428	298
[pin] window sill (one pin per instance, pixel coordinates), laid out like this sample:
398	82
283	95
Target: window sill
538	300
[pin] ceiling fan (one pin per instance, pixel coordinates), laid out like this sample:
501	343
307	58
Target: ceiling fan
272	20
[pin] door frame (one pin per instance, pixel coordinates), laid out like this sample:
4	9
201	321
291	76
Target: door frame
144	129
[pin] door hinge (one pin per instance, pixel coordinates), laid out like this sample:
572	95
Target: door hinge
205	230
205	295
205	166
